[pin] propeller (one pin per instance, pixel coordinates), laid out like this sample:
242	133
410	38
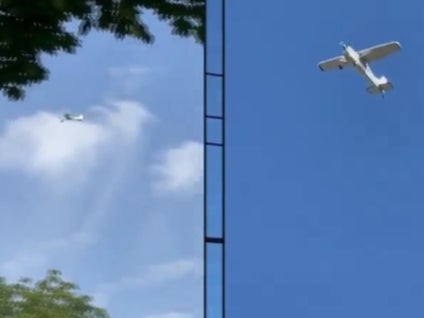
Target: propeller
344	45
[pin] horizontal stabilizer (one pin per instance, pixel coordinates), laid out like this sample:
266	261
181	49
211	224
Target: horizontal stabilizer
382	87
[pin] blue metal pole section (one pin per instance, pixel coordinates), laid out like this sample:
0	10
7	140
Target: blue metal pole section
214	267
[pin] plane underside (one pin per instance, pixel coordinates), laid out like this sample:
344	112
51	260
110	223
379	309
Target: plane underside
360	61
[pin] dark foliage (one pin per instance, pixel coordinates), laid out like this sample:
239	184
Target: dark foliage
29	28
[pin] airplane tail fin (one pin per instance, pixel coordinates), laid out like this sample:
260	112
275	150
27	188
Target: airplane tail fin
384	85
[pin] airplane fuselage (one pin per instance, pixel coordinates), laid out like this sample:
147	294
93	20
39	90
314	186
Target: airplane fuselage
72	117
351	55
360	61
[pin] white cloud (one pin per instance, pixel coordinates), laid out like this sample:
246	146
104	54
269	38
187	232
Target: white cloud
180	168
127	120
171	314
40	144
114	207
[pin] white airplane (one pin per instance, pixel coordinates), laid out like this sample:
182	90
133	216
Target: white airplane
360	60
72	117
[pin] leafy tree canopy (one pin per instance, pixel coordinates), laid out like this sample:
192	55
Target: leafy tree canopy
29	28
50	297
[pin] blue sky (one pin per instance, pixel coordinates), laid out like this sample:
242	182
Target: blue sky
114	202
325	205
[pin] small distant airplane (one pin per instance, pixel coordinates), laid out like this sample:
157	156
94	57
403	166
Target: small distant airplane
360	60
72	117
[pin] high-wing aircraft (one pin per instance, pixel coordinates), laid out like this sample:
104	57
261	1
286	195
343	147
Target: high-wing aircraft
72	117
360	60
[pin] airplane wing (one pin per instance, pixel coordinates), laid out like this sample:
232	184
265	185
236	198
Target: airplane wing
333	63
379	51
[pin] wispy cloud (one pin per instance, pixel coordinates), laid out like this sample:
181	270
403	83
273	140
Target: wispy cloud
128	78
35	257
180	168
151	276
59	154
104	212
128	70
